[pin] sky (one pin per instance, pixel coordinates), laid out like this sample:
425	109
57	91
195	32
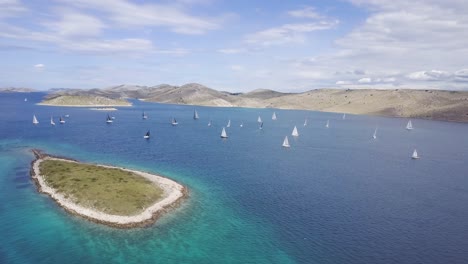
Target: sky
237	46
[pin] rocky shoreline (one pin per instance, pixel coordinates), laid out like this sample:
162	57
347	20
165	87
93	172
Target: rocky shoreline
174	192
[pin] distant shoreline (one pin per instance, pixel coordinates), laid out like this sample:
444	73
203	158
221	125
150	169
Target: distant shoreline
174	193
90	105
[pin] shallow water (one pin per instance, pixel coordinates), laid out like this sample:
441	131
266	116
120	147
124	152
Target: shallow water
336	196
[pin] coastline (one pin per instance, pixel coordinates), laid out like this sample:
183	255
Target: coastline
90	105
174	193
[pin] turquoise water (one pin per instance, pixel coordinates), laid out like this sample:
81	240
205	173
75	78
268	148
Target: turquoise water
336	196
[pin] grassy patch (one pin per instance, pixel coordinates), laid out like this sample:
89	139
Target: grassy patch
112	191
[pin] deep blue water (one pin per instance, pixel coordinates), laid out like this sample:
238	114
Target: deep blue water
336	196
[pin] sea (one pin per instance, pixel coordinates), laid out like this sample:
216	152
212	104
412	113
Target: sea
335	196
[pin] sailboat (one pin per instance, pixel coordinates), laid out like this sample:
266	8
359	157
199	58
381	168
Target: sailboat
328	124
273	117
35	120
144	116
67	116
242	124
52	121
195	115
174	122
259	119
375	133
209	123
109	119
305	122
229	123
415	155
409	126
261	125
294	132
62	121
147	135
344	116
286	142
25	99
223	133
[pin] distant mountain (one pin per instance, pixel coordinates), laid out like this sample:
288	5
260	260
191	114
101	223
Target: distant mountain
428	104
16	90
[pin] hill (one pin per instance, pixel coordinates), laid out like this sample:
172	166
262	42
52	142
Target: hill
427	104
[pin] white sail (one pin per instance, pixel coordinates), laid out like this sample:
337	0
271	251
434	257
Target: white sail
305	122
144	116
209	123
415	155
344	116
229	123
195	115
223	133
286	142
52	121
242	124
25	99
294	132
273	117
375	133
35	120
259	119
409	126
328	124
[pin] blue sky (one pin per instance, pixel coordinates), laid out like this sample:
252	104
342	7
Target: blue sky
290	46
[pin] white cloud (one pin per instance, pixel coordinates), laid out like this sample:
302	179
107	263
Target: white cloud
307	12
397	42
128	14
343	82
288	33
135	46
74	24
11	8
433	75
232	51
365	80
236	67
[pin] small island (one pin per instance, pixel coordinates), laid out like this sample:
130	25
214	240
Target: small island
104	194
84	101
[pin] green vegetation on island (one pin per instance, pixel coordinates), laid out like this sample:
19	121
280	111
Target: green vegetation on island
109	190
84	100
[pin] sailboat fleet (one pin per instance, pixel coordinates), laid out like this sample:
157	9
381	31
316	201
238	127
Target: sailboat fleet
285	144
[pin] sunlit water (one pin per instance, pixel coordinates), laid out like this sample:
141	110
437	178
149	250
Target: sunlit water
336	196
